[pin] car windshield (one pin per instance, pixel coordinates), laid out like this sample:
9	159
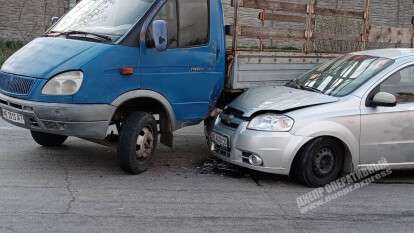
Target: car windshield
111	18
343	75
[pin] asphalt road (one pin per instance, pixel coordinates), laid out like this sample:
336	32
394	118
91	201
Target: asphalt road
79	188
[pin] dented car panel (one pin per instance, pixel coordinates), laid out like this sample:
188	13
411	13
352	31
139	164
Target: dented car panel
369	132
278	98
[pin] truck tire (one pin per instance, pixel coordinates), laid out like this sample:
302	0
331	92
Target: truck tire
137	142
319	163
48	140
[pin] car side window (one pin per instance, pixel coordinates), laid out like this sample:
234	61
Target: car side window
168	13
188	23
401	84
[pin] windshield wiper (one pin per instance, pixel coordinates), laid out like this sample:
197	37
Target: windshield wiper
312	89
73	33
294	84
297	85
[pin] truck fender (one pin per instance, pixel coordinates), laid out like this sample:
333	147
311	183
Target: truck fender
167	137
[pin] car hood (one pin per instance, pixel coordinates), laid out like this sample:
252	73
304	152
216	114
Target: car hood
43	55
279	99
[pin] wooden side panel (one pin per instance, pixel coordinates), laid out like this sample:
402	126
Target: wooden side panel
281	17
273	6
271	33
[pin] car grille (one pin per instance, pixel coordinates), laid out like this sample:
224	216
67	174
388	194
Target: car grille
224	151
15	84
231	117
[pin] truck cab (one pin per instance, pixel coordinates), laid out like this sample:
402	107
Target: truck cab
129	70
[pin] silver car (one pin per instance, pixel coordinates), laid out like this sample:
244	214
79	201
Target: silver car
341	116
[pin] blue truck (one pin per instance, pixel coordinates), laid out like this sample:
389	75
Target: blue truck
133	72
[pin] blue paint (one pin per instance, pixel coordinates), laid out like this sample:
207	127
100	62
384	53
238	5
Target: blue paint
191	79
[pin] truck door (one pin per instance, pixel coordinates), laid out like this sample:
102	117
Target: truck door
190	72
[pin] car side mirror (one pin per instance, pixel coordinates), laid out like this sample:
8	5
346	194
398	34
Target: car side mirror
383	99
160	34
54	20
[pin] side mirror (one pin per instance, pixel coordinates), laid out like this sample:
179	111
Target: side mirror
383	99
54	20
160	34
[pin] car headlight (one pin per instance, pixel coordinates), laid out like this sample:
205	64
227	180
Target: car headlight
67	83
271	122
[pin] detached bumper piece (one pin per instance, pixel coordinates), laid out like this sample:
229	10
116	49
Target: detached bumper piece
78	120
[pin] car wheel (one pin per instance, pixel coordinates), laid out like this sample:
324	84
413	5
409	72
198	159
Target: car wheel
319	162
137	142
48	140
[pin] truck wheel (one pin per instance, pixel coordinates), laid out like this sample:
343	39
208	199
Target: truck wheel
319	163
48	140
137	143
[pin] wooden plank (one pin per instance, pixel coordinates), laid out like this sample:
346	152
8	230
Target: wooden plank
274	6
309	25
366	29
333	12
282	18
271	33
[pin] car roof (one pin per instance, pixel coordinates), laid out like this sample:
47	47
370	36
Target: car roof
388	53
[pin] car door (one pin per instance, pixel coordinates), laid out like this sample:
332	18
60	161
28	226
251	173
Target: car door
190	72
388	132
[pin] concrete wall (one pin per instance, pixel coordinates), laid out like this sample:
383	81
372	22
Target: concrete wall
25	19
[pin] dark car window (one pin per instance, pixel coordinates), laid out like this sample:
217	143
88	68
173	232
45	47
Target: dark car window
343	75
401	84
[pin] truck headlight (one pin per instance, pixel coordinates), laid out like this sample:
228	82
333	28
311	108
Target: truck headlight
271	122
67	83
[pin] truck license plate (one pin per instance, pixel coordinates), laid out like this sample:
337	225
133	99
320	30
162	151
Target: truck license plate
220	140
12	116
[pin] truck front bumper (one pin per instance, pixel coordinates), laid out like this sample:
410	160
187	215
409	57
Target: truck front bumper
276	149
85	121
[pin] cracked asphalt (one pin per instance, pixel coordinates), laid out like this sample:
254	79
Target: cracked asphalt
79	188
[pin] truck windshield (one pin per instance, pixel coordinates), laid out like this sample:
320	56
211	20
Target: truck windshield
343	75
111	18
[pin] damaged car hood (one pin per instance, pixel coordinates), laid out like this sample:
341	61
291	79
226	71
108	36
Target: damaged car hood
280	99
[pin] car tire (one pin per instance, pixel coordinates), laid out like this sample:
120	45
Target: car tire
319	162
48	140
137	142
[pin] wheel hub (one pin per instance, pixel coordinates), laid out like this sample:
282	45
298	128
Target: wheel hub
323	162
145	144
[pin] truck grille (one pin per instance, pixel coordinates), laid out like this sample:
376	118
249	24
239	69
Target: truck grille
15	84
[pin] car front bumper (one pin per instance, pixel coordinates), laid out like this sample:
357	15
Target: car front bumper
276	149
84	121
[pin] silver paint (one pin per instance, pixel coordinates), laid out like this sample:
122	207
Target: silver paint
369	133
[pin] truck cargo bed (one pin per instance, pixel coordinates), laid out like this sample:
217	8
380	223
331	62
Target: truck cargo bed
261	68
